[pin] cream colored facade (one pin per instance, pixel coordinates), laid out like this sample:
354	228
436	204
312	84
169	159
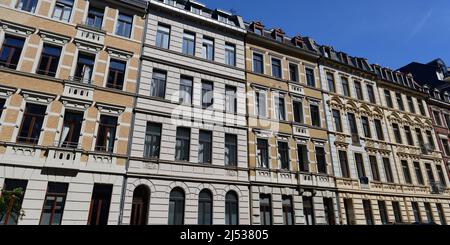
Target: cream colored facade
273	179
45	161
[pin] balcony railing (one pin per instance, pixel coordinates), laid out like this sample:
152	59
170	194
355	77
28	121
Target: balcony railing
80	80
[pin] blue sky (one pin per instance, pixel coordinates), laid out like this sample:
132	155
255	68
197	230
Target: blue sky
391	33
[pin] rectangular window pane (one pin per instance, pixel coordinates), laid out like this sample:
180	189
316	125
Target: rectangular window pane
374	168
276	68
388	97
308	210
419	175
315	115
260	103
70	134
388	170
85	68
27	5
205	147
265	209
303	161
182	146
366	127
288	210
124	25
31	126
116	75
371	94
331	86
283	155
11	51
106	135
416	211
163	36
349	212
189	43
258	63
48	64
208	48
186	91
343	160
54	202
262	153
383	212
100	203
379	129
95	17
230	150
310	79
293	72
397	212
298	111
230	54
12	188
207	94
63	10
330	217
368	212
359	92
321	160
230	99
152	145
158	84
337	121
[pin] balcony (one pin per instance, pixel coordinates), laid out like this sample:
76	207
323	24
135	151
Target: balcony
296	89
63	158
309	179
300	131
78	92
90	34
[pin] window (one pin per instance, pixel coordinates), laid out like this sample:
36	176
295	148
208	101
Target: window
429	173
408	134
366	127
397	212
265	208
353	128
95	17
14	203
400	104
116	75
140	205
446	147
293	72
183	143
337	121
85	67
283	155
163	36
186	90
331	84
441	214
421	142
27	5
308	211
176	207
32	121
383	212
349	212
55	200
231	209
441	175
158	84
205	208
298	111
430	139
447	120
11	51
388	170
196	10
343	160
231	150
368	212
387	95
359	92
63	10
303	161
258	63
412	109
310	79
371	94
374	167
189	43
321	160
398	137
416	211
124	25
280	110
421	108
207	94
230	99
360	168
328	207
288	210
106	135
70	134
345	86
418	172
100	203
152	145
437	118
429	212
205	147
379	129
230	54
315	115
208	48
2	106
276	68
406	172
262	153
260	103
49	60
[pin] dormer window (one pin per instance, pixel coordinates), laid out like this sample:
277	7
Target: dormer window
257	28
446	98
196	10
389	75
327	52
278	35
437	95
344	58
297	41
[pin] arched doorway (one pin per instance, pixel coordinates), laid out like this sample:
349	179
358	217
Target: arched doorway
139	210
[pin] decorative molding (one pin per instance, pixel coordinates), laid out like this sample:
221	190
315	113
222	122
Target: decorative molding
119	54
16	29
53	38
39	98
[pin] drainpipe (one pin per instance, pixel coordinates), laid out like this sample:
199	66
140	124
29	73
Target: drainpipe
133	118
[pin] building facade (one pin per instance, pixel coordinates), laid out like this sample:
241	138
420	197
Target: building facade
435	78
68	72
189	149
289	156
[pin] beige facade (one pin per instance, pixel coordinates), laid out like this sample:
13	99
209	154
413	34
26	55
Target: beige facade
45	159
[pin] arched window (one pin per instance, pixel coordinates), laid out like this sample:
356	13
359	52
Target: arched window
205	208
176	207
231	209
139	209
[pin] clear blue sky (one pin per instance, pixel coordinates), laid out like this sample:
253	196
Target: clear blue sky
391	33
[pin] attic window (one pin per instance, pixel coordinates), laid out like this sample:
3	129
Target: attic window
196	10
327	52
437	95
278	34
257	28
222	18
344	58
298	42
